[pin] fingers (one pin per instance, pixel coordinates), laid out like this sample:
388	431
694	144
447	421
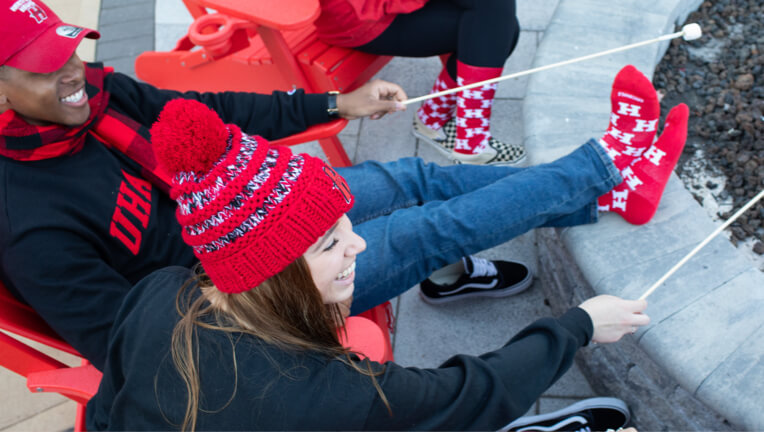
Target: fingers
637	318
640	320
389	91
373	99
635	306
613	317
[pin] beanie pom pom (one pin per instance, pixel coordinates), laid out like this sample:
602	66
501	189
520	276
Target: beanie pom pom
188	137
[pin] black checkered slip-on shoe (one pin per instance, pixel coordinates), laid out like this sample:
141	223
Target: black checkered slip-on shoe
594	414
496	153
475	277
433	137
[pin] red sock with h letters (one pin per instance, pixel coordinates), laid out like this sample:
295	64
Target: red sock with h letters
636	199
634	114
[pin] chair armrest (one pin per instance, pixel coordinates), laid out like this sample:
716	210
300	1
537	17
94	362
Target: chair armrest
366	338
77	383
281	14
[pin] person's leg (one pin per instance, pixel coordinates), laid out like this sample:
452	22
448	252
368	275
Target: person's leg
431	30
480	58
407	245
481	34
381	188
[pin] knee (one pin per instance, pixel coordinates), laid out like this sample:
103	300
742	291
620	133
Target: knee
499	13
500	8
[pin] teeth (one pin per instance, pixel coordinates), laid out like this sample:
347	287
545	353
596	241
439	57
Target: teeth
76	97
346	272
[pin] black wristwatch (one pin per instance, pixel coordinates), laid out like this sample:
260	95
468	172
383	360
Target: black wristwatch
331	104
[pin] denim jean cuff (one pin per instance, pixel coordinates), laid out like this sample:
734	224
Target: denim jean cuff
613	176
607	164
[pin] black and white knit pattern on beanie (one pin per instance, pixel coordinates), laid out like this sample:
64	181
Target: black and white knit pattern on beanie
259	202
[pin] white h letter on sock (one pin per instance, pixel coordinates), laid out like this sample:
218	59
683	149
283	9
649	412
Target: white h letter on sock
619	199
461	144
645	125
621	136
630	178
654	155
628	109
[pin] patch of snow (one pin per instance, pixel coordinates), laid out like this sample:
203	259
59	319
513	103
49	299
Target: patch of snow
706	183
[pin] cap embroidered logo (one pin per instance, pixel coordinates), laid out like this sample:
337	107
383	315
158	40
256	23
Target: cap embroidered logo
35	12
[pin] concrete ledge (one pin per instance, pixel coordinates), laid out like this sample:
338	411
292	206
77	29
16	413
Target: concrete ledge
706	331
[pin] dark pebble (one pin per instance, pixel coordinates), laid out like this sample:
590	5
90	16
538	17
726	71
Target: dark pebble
744	82
759	248
739	233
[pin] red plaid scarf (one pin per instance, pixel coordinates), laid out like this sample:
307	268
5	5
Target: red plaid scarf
24	142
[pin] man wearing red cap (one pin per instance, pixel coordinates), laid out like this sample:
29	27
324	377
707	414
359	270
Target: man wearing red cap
85	209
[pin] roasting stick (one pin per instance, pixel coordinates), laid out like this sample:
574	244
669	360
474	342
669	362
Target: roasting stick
748	205
689	32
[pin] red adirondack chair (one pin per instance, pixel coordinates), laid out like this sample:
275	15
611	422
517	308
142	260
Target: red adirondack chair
261	46
43	372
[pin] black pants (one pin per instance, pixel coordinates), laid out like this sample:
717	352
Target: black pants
479	33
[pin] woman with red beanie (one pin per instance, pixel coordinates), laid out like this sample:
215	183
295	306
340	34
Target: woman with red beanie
250	339
478	36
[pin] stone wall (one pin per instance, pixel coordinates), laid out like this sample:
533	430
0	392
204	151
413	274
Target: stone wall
623	369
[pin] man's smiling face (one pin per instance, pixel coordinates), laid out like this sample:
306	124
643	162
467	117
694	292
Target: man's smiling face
57	97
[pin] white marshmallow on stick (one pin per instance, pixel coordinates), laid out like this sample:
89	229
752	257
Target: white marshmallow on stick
691	32
688	32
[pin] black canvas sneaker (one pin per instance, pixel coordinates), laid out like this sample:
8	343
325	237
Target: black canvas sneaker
595	414
475	277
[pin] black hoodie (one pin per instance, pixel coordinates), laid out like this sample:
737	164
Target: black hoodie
78	231
273	389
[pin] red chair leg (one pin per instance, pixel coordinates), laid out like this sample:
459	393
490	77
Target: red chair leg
79	420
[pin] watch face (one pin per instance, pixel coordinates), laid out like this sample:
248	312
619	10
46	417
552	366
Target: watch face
331	106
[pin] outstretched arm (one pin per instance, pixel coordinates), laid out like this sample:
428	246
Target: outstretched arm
272	116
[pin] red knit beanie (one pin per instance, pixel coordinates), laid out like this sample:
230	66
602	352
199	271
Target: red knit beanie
247	208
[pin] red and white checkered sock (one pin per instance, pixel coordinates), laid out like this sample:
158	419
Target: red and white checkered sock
436	112
634	114
473	108
636	199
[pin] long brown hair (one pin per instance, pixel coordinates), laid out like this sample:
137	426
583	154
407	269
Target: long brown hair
285	311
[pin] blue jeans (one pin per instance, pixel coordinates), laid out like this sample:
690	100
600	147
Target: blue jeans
418	217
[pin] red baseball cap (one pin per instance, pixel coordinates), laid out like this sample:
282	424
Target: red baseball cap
34	38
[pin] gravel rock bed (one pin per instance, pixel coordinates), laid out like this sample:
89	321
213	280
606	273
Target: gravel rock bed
721	78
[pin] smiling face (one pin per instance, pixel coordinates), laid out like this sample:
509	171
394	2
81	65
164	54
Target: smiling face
331	260
42	99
